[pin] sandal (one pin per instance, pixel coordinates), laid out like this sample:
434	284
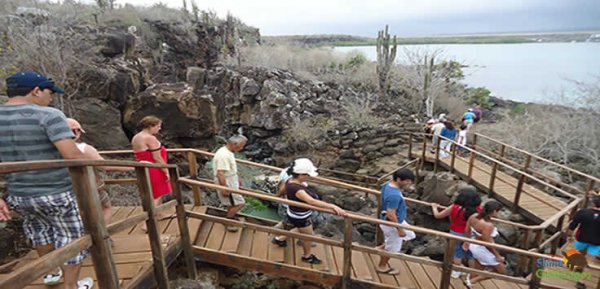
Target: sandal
467	281
53	279
389	271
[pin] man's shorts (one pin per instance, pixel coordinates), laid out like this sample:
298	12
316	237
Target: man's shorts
393	242
592	249
233	199
51	220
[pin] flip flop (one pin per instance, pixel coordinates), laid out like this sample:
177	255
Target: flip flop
389	271
467	281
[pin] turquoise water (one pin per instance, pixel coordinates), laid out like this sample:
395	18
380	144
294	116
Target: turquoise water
533	72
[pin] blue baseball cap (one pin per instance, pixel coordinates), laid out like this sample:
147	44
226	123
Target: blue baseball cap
32	79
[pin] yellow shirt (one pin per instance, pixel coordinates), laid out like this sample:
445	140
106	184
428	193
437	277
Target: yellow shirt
224	160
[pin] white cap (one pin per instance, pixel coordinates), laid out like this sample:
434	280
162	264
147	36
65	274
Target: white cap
442	117
305	166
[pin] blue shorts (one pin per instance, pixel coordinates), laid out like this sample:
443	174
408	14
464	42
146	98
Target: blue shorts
459	253
593	250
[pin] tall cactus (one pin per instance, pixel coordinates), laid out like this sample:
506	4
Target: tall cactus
385	58
429	67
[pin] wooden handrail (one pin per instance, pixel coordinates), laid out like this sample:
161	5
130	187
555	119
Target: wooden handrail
540	158
367	219
13	167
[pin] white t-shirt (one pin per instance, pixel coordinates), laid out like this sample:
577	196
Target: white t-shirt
224	160
437	128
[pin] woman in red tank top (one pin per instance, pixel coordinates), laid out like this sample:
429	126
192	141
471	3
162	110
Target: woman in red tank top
147	148
466	204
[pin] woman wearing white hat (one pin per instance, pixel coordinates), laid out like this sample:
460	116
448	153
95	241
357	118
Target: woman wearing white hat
297	217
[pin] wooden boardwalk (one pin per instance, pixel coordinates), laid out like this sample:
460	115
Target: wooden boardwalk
534	203
252	250
131	251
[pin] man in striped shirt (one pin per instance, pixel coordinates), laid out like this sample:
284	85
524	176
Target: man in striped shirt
30	131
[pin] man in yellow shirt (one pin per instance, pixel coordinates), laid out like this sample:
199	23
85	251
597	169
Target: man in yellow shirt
226	174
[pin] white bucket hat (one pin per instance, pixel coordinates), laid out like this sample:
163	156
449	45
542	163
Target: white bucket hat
305	166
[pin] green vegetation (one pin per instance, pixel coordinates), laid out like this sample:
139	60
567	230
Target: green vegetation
479	95
345	40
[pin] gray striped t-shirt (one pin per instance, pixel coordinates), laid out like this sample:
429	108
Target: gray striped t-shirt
28	133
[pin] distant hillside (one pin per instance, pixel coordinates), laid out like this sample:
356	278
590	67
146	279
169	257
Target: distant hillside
349	40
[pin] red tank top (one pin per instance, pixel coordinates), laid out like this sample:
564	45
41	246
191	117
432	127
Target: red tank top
458	223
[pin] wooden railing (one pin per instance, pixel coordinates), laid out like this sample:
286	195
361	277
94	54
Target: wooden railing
348	247
533	234
97	234
517	157
193	154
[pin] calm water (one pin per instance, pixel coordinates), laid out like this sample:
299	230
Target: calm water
522	72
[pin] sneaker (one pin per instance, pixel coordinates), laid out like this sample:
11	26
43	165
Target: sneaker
455	274
311	259
580	285
280	243
53	279
85	283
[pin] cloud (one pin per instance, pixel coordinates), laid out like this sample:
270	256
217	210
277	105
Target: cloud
275	17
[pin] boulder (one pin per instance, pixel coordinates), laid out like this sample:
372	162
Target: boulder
102	124
117	43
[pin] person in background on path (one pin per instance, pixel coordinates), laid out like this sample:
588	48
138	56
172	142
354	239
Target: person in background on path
462	139
480	227
226	174
469	118
32	131
587	238
147	148
436	130
91	153
449	132
298	217
466	204
393	209
478	113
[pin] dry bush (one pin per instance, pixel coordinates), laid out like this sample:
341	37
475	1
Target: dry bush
566	135
358	113
308	130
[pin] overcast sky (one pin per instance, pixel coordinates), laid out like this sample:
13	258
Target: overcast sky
405	17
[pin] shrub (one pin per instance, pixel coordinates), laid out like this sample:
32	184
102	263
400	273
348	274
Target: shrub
479	95
358	113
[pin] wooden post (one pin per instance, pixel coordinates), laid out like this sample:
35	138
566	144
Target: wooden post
84	186
158	257
453	158
347	267
474	141
586	199
520	183
534	281
448	264
184	232
471	164
437	155
556	241
410	140
495	169
193	167
378	232
522	268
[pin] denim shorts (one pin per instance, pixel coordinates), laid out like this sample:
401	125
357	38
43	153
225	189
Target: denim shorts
459	253
51	220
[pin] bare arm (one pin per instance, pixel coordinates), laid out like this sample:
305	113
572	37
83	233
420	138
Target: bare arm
92	154
391	215
222	182
440	215
468	232
486	235
280	189
68	149
304	196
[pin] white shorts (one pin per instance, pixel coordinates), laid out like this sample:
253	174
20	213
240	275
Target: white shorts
393	242
233	199
483	255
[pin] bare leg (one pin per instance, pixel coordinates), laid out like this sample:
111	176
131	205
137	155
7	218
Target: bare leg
107	213
71	276
500	268
233	210
306	244
45	249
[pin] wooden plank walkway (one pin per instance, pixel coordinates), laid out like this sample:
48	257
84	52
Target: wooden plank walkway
534	203
131	250
254	252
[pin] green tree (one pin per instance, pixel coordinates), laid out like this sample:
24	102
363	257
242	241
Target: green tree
479	95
